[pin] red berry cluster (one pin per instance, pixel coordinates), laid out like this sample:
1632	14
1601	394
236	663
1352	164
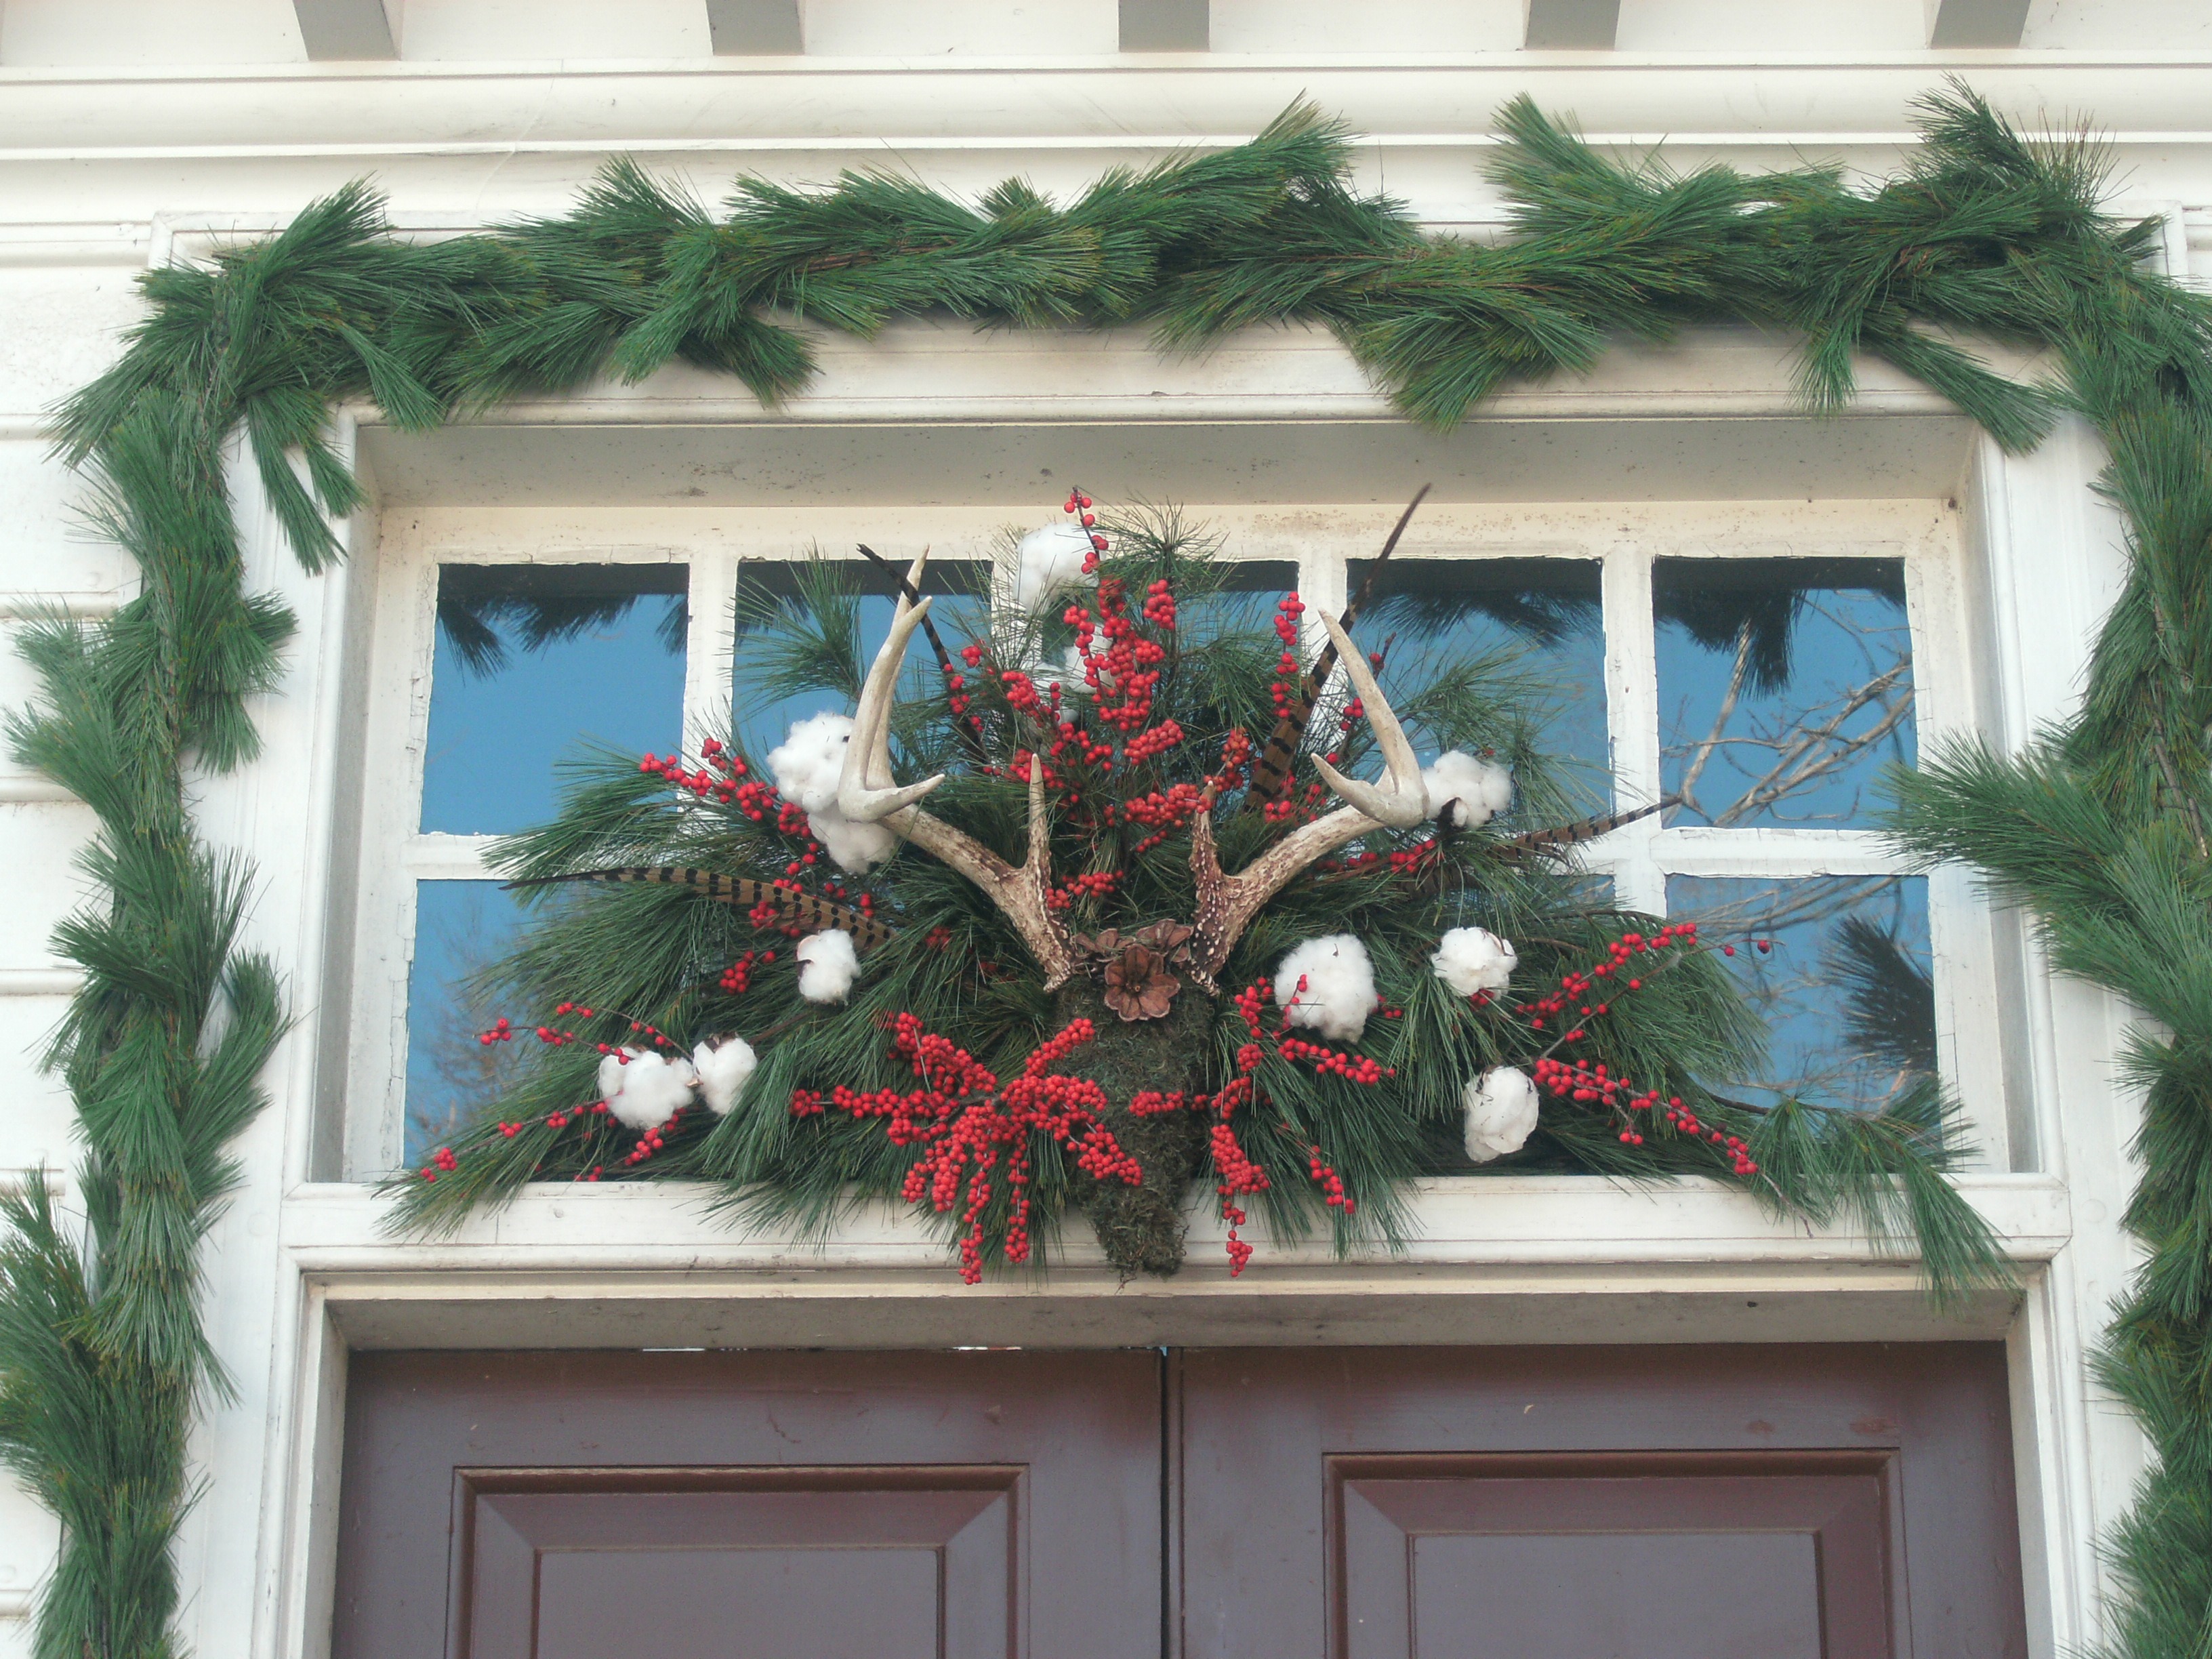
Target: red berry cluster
1155	740
1331	1183
638	1028
1590	1085
1123	678
502	1031
719	778
1021	695
1411	860
1236	760
1151	1102
1363	1069
1238	1176
1574	987
1159	606
1079	504
937	939
652	1139
443	1158
1098	883
1165	810
736	978
968	1127
1288	675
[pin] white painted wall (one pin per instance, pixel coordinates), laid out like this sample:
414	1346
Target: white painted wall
131	130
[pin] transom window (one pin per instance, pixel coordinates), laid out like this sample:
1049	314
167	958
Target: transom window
1758	684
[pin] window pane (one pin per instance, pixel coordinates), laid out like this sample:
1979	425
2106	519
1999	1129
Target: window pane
792	661
1785	685
460	927
1548	613
533	658
1841	969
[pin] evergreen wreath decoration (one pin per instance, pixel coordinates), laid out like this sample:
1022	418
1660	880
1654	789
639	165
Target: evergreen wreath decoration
2099	828
1130	946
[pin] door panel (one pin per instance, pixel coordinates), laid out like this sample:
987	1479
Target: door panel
886	1562
1847	1502
834	1506
1744	1556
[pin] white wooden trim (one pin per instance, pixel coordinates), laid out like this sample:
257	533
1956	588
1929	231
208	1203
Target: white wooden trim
1551	1258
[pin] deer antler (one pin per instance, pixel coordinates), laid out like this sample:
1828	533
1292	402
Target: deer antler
1227	904
866	794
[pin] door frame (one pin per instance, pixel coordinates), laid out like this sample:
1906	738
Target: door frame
301	1270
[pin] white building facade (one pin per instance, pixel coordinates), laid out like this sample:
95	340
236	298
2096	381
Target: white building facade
139	133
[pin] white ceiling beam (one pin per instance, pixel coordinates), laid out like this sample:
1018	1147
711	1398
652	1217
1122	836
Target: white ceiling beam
349	28
755	28
1570	25
1976	22
1166	25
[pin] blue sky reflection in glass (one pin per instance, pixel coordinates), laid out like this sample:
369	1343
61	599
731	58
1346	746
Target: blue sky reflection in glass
1543	619
1786	686
460	928
1841	969
532	662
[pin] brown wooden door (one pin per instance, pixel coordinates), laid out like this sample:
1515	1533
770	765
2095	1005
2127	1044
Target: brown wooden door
1728	1503
751	1506
1720	1503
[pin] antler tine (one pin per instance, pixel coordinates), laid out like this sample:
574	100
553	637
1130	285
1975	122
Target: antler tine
1400	800
1227	904
866	794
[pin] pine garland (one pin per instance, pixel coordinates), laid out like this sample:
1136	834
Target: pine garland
2102	829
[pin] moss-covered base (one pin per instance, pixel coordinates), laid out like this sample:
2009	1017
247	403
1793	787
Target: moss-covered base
1141	1227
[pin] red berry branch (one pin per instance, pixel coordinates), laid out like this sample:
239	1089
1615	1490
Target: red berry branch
969	1129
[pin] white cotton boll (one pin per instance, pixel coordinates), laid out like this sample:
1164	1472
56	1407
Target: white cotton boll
807	766
1340	987
852	848
1471	959
723	1067
653	1088
810	761
1501	1113
612	1069
828	964
1050	562
1476	790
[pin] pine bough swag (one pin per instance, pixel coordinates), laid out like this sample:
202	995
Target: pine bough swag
2102	830
1121	953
